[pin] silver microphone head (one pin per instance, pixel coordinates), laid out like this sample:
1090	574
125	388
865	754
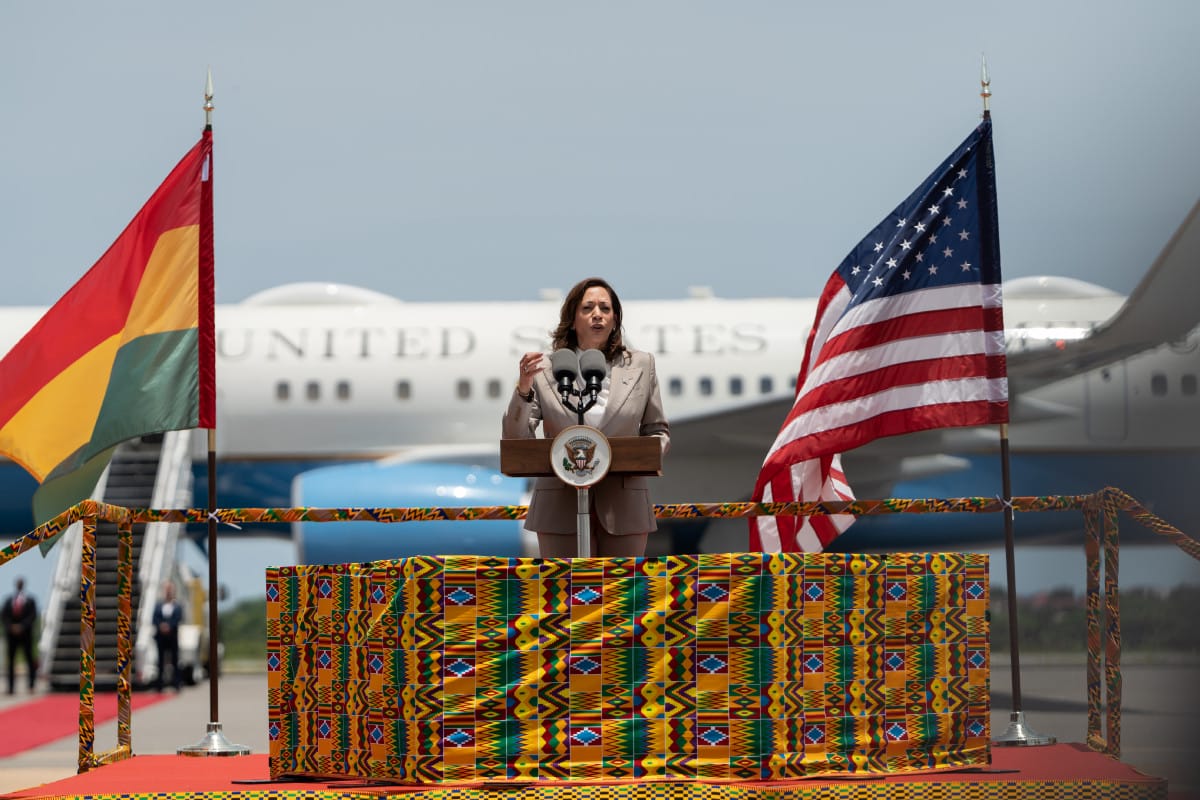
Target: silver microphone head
565	365
593	366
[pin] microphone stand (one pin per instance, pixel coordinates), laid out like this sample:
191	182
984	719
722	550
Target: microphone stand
587	398
583	515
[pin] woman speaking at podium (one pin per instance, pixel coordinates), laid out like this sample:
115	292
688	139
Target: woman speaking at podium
628	404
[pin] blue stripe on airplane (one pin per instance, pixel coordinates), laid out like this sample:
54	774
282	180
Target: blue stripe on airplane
1163	482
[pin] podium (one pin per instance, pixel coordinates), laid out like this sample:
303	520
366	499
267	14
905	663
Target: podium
544	458
631	455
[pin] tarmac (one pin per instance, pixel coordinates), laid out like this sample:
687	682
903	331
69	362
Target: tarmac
1160	722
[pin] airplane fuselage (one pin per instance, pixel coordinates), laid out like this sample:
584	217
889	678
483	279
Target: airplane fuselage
429	374
302	384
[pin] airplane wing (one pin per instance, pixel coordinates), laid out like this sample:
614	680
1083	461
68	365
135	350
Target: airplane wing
734	441
1150	316
708	450
744	427
716	456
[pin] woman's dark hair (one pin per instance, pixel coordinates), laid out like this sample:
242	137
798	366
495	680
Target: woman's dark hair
564	334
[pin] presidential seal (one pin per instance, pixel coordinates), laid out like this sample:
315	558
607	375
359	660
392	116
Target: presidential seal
580	455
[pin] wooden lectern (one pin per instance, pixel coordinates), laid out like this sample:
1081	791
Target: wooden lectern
630	455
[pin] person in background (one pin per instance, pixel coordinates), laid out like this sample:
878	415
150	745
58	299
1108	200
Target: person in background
622	515
168	614
19	614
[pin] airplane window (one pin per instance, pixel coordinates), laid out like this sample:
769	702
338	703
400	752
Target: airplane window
675	387
1188	384
735	385
706	386
1158	384
765	384
312	390
343	390
792	383
403	390
493	388
283	390
463	389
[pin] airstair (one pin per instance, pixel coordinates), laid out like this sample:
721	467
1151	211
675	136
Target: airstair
151	472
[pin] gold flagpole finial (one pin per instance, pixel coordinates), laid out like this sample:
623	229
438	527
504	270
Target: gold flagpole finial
985	83
208	103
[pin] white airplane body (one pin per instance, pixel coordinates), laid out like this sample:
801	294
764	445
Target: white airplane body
442	373
315	375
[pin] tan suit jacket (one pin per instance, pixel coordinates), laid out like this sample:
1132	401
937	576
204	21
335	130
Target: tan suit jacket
634	408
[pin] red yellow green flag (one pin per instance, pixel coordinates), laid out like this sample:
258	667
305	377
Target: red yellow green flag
128	351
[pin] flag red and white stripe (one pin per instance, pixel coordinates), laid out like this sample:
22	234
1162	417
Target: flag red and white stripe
908	336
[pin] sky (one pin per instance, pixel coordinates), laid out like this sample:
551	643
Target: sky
485	150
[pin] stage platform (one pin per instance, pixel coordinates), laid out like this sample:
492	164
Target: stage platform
1057	772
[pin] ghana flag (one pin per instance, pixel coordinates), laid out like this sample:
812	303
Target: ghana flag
127	352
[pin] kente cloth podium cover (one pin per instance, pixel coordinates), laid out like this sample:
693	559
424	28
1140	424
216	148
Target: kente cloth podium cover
739	667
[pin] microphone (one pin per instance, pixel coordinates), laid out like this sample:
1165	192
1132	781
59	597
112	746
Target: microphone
565	366
594	368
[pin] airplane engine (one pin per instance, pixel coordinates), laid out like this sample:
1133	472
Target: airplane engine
406	485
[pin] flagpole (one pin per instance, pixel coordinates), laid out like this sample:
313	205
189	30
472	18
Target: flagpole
1018	732
214	742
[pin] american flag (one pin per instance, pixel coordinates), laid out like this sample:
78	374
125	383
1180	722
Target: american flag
908	336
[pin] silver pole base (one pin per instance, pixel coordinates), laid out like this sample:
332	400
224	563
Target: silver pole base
1021	735
214	743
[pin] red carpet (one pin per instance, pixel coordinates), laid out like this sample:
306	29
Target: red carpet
51	717
1065	771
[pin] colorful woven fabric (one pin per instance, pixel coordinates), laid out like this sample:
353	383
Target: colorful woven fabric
739	667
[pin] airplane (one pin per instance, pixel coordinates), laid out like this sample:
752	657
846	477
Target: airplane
338	396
